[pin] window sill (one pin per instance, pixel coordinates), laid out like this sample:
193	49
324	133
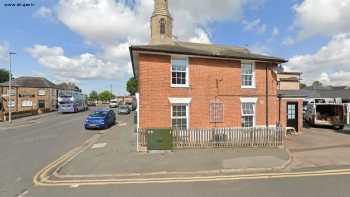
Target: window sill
179	86
248	87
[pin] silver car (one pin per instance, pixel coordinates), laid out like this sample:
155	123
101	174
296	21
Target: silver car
124	109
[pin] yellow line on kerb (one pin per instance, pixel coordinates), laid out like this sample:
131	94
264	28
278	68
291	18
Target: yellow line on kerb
193	179
42	178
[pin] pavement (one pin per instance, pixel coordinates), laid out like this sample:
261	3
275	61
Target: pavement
31	144
319	148
115	153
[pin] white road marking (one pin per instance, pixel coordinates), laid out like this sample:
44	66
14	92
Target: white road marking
74	186
23	193
99	145
122	124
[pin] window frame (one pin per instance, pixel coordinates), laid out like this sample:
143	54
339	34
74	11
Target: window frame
252	101
162	26
187	114
41	92
214	112
253	75
186	85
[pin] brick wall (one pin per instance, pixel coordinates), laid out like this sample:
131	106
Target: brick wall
31	94
154	89
283	114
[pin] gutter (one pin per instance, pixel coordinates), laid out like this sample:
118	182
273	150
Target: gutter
132	60
267	98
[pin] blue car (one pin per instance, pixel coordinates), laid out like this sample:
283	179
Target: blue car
100	119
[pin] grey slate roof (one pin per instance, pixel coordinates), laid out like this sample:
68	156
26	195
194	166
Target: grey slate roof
30	82
318	92
293	93
206	50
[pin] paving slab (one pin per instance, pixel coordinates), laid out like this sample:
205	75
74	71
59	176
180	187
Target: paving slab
119	156
319	147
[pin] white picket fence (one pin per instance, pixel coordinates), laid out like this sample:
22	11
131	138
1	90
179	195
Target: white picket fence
222	137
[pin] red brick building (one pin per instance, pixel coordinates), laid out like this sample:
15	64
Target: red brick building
189	85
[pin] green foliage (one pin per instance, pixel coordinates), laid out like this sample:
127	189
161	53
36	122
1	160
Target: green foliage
105	96
93	96
132	86
302	85
317	84
4	75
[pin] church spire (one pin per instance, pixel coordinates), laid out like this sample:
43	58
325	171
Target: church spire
161	23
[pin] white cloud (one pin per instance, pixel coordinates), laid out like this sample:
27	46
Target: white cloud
255	25
114	25
322	17
329	64
82	67
44	12
250	25
201	37
288	41
3	53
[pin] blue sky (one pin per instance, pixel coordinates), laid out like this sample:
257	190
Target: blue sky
86	41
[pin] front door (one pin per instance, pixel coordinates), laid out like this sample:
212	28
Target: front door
292	115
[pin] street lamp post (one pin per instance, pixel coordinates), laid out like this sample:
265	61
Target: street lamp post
10	88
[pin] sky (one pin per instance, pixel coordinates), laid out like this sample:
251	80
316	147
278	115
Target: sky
86	41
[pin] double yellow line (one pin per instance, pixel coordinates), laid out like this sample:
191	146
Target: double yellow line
48	176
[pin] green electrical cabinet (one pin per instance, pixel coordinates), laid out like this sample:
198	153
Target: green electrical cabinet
159	139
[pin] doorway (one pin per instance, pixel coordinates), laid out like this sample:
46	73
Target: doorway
292	115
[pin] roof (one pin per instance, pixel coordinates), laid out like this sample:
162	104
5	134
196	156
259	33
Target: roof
290	79
293	93
327	92
290	73
206	50
31	82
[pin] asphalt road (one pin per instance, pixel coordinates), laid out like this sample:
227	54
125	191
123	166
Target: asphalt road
25	150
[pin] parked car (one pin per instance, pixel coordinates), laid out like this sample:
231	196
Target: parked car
100	119
91	103
113	104
124	109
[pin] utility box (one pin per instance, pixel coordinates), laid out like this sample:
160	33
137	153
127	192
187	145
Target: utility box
159	139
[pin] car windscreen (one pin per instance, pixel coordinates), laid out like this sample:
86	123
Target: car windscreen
99	114
124	107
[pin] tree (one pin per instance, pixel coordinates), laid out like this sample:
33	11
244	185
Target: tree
4	75
302	85
105	96
317	84
93	96
132	86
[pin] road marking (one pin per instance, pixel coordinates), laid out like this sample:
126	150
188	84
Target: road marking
122	124
42	178
192	179
99	145
74	186
23	193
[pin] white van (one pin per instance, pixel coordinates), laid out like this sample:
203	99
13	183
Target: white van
113	103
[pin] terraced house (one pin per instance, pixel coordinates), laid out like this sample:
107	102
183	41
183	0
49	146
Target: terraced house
29	95
190	85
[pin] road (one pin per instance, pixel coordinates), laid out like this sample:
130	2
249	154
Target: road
25	150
